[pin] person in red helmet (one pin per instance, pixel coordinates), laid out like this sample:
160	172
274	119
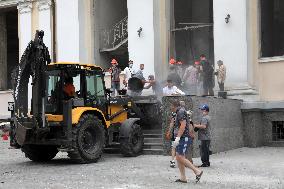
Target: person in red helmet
69	89
172	61
179	68
115	80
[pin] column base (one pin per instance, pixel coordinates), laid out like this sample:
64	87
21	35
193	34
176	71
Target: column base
242	91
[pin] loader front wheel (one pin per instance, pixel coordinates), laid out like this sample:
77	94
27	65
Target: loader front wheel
39	153
132	144
88	140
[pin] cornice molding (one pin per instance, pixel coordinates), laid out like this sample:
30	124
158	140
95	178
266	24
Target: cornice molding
25	6
8	3
44	5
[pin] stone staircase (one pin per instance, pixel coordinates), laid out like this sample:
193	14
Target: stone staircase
153	144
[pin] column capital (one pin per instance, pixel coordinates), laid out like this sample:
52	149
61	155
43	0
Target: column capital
44	5
25	6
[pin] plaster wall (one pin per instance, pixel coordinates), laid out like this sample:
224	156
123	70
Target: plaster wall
272	81
141	49
6	96
266	74
67	29
230	40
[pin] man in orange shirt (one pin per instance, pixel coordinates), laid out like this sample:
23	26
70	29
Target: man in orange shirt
69	88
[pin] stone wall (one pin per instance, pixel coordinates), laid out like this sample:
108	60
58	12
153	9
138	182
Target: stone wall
226	121
258	127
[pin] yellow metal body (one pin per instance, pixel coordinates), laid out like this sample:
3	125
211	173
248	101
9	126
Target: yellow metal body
76	63
76	115
78	111
113	109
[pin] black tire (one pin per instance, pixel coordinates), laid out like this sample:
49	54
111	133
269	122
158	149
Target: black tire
39	153
88	140
132	145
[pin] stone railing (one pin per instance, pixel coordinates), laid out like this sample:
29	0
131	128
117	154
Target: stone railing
112	38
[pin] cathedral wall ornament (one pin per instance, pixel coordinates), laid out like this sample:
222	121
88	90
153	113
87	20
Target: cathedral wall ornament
44	5
8	3
25	6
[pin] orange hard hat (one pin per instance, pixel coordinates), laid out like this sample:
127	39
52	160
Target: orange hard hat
196	62
5	137
172	61
113	61
179	62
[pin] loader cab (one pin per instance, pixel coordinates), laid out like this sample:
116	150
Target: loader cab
88	84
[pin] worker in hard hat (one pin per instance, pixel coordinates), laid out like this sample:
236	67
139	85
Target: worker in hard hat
115	80
180	68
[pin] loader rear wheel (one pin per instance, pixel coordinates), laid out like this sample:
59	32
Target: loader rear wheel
39	153
88	140
132	145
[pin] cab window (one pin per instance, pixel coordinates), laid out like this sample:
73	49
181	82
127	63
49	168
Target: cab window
95	86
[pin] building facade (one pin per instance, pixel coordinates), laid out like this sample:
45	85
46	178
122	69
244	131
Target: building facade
150	32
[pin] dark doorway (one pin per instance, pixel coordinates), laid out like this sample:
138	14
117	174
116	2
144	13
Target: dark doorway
9	47
192	30
12	43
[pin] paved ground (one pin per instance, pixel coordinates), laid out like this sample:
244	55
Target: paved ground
240	168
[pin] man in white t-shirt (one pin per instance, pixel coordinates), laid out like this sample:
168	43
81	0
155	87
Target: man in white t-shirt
170	89
129	72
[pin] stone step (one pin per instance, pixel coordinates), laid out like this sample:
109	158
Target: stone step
153	152
146	151
153	140
154	131
153	146
153	135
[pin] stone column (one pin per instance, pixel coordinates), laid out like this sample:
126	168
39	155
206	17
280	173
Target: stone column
3	52
25	24
162	22
67	29
45	23
25	33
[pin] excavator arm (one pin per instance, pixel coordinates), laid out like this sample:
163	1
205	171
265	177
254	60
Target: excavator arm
33	64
